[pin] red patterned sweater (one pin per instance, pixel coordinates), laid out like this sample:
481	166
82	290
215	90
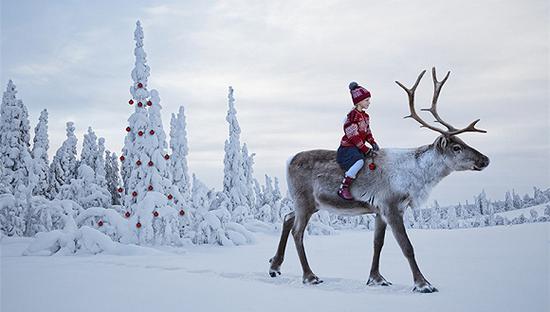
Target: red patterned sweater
357	131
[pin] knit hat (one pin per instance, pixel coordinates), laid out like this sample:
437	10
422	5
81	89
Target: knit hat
358	93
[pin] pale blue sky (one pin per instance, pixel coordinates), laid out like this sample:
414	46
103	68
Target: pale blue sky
290	63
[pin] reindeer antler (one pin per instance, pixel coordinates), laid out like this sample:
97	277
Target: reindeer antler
433	109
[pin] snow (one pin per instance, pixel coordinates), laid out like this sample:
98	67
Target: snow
503	268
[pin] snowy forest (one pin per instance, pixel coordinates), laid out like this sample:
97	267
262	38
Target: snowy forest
98	199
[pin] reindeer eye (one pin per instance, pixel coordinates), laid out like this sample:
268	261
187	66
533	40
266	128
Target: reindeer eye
457	148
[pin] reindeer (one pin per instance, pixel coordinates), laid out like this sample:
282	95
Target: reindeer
403	178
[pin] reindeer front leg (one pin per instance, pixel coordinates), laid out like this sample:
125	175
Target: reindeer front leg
395	220
375	279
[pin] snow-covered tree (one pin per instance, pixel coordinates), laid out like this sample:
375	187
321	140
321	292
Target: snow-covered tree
180	150
64	164
508	202
452	218
88	155
153	204
539	197
248	172
14	140
99	169
114	185
84	190
518	202
40	155
234	182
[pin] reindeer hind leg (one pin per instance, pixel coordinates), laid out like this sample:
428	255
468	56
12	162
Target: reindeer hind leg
277	260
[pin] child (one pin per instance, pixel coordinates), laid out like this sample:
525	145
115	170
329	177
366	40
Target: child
352	148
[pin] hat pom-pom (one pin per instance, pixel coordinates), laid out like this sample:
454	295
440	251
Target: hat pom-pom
353	85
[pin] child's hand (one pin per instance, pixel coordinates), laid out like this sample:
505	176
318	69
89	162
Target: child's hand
375	147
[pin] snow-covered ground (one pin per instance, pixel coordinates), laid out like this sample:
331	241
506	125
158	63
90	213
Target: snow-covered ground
503	268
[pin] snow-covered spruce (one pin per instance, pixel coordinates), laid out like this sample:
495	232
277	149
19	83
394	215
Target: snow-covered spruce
14	140
64	164
234	180
40	155
84	189
112	177
180	150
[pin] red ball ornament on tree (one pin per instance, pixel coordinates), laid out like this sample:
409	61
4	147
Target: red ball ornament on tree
138	162
120	190
170	196
138	225
140	85
150	188
152	132
100	223
166	156
127	214
131	102
149	103
128	129
182	212
155	213
140	133
372	166
150	163
134	193
140	104
122	158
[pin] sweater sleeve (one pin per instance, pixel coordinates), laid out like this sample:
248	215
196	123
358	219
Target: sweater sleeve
352	133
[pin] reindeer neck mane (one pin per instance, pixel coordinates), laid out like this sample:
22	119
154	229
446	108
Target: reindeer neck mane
416	171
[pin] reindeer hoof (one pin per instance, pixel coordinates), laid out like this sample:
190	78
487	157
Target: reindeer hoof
275	268
378	280
311	279
274	273
425	288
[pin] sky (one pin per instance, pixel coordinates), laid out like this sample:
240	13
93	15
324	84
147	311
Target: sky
290	63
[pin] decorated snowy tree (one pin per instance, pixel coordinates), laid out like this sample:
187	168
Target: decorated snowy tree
180	150
40	155
114	185
152	203
63	166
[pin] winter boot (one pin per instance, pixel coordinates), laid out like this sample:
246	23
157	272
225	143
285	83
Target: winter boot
344	189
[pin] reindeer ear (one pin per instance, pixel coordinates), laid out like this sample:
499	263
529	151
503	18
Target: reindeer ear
441	143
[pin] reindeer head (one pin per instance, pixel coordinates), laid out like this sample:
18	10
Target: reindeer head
457	155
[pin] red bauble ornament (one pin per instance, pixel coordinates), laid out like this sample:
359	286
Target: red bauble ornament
182	212
120	190
122	158
166	156
150	188
100	223
128	129
127	214
155	213
134	193
140	133
131	102
138	162
140	85
152	132
150	163
149	103
138	225
372	166
170	196
140	104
